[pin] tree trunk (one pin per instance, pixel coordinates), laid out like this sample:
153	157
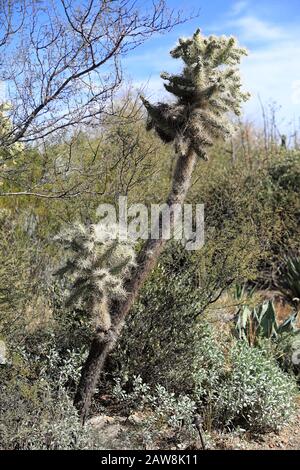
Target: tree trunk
104	341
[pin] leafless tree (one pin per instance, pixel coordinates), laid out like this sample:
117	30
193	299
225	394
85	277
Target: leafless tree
12	14
111	157
60	59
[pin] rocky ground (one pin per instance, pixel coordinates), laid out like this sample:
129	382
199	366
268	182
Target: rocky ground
287	439
113	429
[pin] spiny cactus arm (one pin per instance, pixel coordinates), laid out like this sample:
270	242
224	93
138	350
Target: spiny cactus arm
221	50
98	263
184	50
77	292
102	256
120	268
180	86
218	105
177	80
199	139
162	119
216	125
185	94
202	95
69	268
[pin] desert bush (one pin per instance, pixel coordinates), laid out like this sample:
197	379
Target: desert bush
160	336
285	172
255	394
285	348
261	202
209	371
36	409
163	415
157	342
231	384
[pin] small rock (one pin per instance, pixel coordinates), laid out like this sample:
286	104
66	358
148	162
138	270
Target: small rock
135	418
104	420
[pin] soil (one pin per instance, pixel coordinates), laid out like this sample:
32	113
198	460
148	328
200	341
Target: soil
113	428
287	439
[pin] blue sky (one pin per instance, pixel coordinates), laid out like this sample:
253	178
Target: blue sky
270	29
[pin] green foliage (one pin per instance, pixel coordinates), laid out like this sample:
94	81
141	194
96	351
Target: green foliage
160	335
285	349
36	411
241	292
285	173
207	89
164	415
21	271
249	208
209	368
240	386
255	394
158	342
259	326
231	385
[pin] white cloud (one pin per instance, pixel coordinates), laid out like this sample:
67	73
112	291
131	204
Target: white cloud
238	8
250	28
271	70
272	73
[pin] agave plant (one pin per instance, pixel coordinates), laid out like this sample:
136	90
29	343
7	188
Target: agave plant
242	291
288	279
261	322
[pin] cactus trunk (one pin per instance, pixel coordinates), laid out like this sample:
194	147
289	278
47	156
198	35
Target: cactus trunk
103	342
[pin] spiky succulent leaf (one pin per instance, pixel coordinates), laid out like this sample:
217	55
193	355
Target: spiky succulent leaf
288	279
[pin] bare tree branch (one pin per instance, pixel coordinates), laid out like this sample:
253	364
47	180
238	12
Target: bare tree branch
63	64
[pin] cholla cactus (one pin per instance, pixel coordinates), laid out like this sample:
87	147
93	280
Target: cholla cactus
99	263
207	89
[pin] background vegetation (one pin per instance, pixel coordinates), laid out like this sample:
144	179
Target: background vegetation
211	344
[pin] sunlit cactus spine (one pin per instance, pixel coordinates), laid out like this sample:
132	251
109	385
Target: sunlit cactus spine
98	265
208	88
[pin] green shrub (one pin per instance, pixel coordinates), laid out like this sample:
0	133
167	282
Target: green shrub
285	349
208	371
160	336
36	410
261	201
49	424
165	416
231	384
255	394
